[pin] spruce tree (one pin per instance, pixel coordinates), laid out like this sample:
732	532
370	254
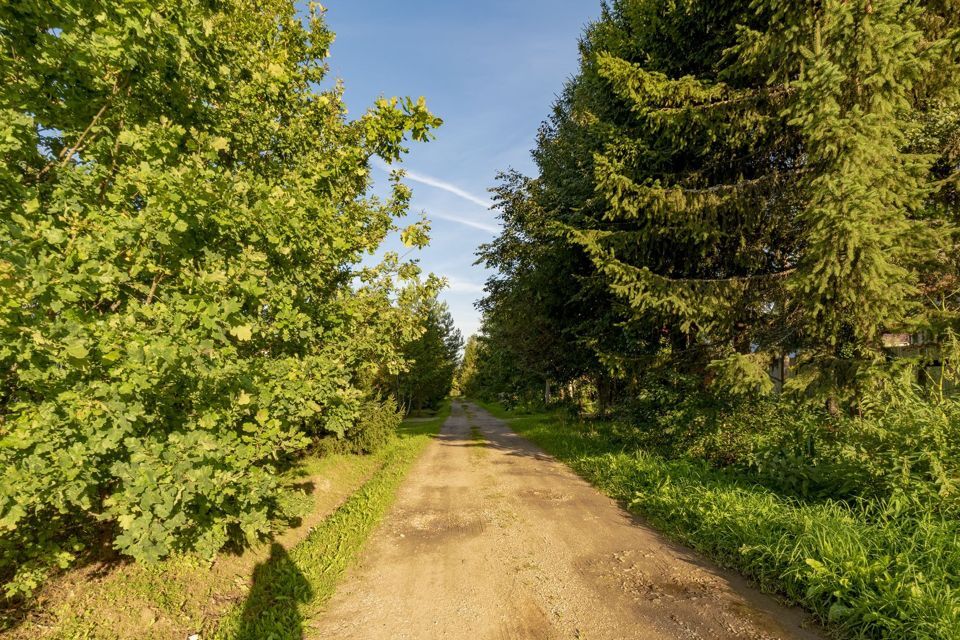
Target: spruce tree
760	193
432	360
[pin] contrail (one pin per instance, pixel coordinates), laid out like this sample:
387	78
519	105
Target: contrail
465	221
449	188
455	285
437	183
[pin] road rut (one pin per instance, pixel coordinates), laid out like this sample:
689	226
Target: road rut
490	538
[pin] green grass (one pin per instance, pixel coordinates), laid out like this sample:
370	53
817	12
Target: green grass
890	576
293	586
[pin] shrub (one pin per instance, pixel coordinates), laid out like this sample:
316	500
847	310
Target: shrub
908	451
375	427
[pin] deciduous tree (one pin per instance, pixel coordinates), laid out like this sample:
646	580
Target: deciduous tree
183	214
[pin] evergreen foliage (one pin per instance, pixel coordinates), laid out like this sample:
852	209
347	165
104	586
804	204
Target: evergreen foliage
432	361
723	188
763	196
183	214
540	311
748	181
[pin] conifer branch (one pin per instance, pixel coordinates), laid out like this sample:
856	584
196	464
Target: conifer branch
747	96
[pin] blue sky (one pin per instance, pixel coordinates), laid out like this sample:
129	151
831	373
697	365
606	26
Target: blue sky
491	70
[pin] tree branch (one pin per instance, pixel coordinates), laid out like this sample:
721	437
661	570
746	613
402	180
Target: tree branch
68	153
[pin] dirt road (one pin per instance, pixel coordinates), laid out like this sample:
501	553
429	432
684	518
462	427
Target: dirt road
490	538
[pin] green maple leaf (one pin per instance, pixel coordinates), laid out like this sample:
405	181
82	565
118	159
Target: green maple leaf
243	333
77	350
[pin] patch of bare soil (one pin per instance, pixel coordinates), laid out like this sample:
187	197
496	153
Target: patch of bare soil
512	544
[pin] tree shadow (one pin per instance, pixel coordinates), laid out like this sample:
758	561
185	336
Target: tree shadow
272	609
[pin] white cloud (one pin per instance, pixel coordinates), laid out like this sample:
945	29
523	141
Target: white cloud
455	285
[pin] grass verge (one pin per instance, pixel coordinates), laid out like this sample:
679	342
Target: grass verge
292	586
866	575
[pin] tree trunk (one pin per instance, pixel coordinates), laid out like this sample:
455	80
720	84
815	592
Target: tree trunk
602	396
833	407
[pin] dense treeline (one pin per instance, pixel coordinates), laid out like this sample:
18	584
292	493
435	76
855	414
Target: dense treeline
720	187
465	381
184	212
742	247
